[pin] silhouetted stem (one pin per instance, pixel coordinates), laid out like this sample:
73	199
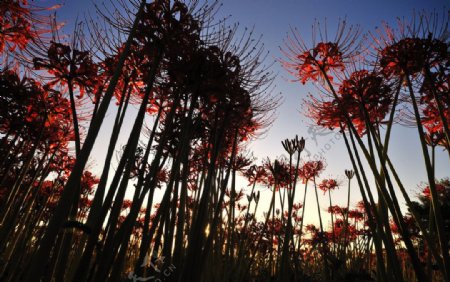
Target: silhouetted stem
62	210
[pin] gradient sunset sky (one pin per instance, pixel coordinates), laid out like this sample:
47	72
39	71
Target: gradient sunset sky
273	19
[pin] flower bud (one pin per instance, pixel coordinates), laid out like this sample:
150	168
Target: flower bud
289	146
349	173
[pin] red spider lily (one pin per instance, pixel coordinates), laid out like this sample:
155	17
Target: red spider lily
326	59
67	64
431	119
221	96
281	174
49	194
328	184
84	205
162	177
310	170
25	104
440	189
326	114
63	162
21	24
410	224
296	207
321	59
275	227
256	174
340	231
362	91
337	210
412	55
21	101
317	238
132	75
297	219
57	131
361	206
46	187
160	17
369	91
249	126
438	84
437	138
16	23
356	215
242	161
88	182
126	204
138	163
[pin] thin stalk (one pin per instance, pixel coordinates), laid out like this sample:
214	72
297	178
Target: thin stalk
62	210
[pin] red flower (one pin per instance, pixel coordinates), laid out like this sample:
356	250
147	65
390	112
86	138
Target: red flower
337	210
321	59
440	189
328	184
361	92
410	224
281	174
326	114
364	90
356	214
67	64
256	174
412	55
126	204
311	170
431	119
16	23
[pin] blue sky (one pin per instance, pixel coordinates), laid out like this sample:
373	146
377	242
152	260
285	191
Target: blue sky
273	20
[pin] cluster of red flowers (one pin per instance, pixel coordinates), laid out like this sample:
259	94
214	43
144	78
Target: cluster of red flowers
280	174
363	97
311	169
67	65
440	189
411	55
26	106
255	174
328	185
16	23
435	86
314	63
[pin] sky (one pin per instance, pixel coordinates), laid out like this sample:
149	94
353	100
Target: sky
273	19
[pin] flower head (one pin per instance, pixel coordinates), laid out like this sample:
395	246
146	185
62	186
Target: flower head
311	169
411	55
326	59
328	185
